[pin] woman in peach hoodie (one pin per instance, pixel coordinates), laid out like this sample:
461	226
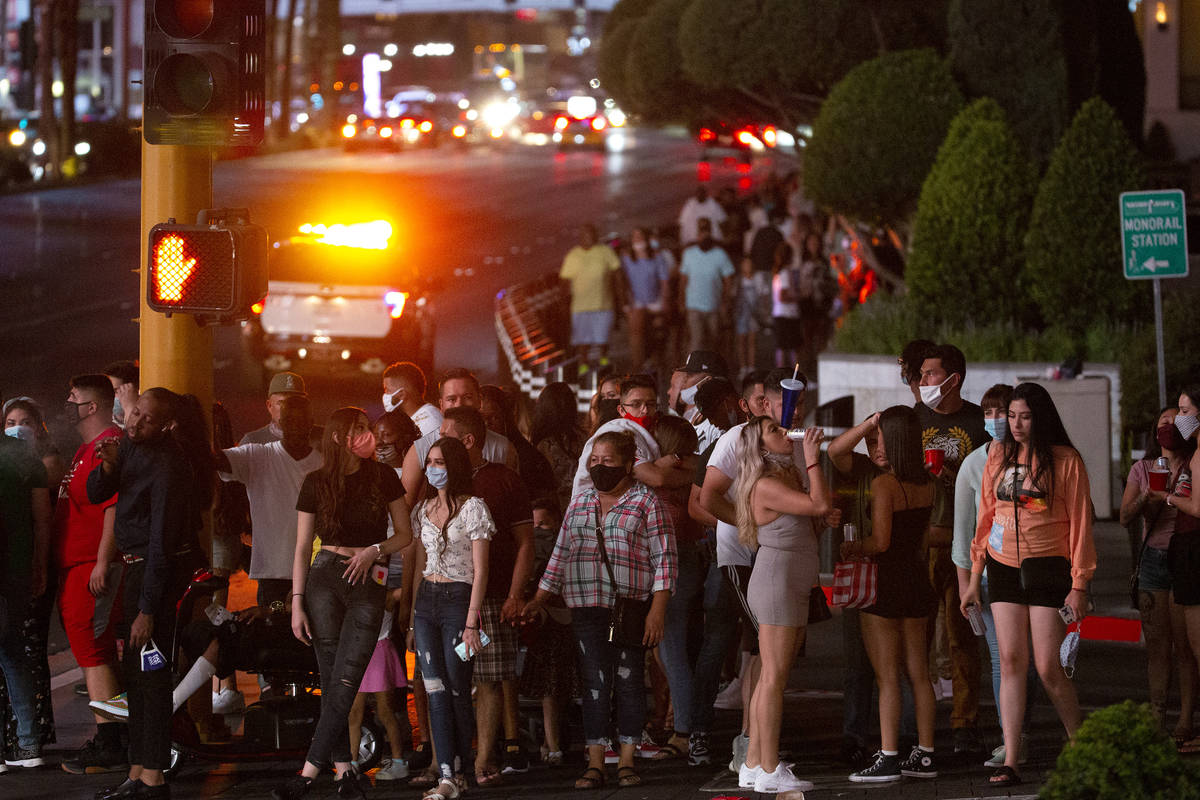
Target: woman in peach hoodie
1034	537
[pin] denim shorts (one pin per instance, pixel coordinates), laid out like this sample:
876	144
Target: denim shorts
1153	574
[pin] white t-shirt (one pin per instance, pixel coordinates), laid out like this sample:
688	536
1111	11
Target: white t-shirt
495	447
730	551
706	434
428	419
272	479
693	211
780	308
647	450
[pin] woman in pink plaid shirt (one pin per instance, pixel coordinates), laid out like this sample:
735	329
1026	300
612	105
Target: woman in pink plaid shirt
640	545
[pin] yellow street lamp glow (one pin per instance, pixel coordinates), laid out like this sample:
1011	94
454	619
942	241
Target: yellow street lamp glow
56	88
372	235
16	138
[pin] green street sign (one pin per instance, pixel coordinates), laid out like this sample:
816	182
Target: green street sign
1154	234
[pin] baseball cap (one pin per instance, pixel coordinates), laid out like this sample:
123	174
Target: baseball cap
705	361
286	383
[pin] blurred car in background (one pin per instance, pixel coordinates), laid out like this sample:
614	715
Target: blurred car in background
581	123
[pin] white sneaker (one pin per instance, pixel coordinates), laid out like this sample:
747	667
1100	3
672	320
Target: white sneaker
731	696
947	688
114	708
392	769
228	701
783	779
3	768
748	776
741	743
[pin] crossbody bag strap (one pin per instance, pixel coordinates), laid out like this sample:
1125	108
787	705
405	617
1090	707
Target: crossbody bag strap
604	552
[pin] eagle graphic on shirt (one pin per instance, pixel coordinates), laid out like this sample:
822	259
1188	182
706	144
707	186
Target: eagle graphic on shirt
955	442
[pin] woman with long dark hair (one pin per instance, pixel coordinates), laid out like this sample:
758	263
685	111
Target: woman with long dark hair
894	628
451	567
1163	622
557	435
337	602
1034	536
23	419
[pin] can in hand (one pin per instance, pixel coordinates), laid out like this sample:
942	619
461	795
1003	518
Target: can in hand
975	617
795	434
849	532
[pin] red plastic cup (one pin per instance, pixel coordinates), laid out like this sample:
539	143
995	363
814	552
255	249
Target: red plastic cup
935	460
1158	480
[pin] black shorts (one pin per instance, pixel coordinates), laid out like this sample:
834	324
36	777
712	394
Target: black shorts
737	578
1047	582
1183	562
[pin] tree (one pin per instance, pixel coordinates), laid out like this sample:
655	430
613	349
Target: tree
1013	52
654	78
971	221
1104	58
1073	250
877	134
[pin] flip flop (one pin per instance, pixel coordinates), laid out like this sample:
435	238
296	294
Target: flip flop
627	776
592	778
490	776
668	750
1004	776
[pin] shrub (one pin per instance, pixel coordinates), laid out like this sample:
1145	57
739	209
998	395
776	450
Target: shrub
1073	250
1121	752
968	234
877	133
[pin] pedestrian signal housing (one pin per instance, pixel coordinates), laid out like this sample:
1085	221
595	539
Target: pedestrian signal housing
215	269
203	71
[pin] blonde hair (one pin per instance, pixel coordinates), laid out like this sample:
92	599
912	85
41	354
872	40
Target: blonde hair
752	466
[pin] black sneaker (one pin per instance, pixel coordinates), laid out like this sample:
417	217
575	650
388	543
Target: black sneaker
513	761
25	757
94	759
126	789
293	788
884	769
698	751
420	758
350	785
919	764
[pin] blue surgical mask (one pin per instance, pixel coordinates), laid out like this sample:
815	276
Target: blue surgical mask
22	432
996	428
437	477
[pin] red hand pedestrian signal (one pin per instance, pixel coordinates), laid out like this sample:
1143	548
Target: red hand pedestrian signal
173	268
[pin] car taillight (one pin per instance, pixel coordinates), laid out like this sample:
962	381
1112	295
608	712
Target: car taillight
706	135
459	131
258	307
348	131
407	123
385	133
769	137
425	127
745	137
560	123
598	123
395	300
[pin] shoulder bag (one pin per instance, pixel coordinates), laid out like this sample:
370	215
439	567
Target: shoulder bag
627	620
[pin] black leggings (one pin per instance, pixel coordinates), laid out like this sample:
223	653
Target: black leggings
345	621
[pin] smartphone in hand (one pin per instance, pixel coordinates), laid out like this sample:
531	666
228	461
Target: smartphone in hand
461	648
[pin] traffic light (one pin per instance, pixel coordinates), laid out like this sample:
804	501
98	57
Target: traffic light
203	72
215	269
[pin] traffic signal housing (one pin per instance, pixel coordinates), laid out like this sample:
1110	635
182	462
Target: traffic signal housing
203	72
215	269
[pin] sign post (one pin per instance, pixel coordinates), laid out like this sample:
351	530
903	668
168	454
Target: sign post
1153	247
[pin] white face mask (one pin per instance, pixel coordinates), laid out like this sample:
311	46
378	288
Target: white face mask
932	396
390	403
1187	424
688	395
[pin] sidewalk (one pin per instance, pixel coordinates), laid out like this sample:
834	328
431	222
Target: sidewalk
1108	672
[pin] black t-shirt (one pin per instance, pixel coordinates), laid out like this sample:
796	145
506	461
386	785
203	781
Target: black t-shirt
956	435
504	494
364	512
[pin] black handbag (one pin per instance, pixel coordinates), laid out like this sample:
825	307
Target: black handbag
627	619
818	606
1042	571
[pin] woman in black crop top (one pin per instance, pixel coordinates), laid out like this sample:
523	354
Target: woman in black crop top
346	504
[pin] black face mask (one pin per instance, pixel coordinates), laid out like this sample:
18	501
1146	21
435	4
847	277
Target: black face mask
606	477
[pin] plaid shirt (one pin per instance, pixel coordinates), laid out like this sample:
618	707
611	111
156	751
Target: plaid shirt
639	541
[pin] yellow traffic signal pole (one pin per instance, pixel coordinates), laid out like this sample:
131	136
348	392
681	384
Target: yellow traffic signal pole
175	352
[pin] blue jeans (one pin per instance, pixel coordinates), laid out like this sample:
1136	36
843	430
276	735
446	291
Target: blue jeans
439	617
608	672
721	614
345	620
18	673
673	649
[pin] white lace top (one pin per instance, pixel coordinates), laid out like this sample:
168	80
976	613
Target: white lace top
451	557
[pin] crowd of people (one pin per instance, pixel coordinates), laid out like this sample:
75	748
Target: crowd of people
739	267
459	552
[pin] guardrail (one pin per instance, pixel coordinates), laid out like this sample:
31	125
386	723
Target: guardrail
533	332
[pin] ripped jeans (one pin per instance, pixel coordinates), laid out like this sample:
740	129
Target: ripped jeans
345	621
608	673
438	619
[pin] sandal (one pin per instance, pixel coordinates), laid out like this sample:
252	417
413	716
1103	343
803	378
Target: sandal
488	776
626	776
671	749
429	777
1004	776
592	778
441	792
